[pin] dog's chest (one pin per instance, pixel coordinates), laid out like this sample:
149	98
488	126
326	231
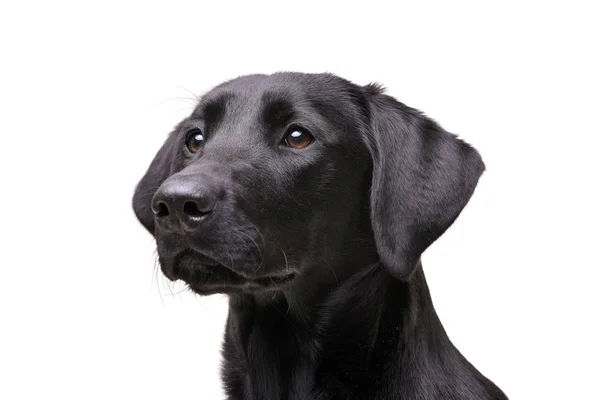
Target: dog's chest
276	368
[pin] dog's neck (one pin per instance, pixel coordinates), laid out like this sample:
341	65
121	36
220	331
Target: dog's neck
370	336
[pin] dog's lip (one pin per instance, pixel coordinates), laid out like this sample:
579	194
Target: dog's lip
268	280
212	273
171	263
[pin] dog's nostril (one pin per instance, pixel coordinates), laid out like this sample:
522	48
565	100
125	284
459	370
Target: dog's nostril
191	209
163	210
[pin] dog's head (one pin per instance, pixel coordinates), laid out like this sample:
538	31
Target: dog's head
276	177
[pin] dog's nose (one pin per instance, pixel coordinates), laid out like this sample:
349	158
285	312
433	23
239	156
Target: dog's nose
181	204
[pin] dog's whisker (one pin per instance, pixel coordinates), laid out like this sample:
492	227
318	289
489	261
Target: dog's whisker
179	98
169	285
287	266
229	254
185	289
333	272
195	96
290	300
262	257
249	237
262	238
155	275
185	109
285	317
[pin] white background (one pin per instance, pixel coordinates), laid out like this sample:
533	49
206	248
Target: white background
89	91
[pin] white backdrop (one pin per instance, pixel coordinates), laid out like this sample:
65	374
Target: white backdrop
88	91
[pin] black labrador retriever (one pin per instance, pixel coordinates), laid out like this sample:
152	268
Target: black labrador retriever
309	200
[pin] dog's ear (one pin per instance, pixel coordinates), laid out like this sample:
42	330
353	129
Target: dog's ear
423	177
160	169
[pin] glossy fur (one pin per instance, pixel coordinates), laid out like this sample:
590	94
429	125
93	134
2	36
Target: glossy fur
318	248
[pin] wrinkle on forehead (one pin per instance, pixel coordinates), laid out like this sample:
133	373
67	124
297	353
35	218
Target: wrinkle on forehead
276	109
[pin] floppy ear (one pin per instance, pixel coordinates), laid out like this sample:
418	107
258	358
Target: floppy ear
423	177
160	169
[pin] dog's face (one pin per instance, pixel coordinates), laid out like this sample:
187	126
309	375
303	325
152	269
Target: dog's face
273	179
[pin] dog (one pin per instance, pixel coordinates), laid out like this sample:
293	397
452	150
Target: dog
309	200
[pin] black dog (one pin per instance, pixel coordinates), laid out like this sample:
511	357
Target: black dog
309	200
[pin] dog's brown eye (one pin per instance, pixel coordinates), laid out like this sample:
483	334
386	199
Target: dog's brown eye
298	138
194	140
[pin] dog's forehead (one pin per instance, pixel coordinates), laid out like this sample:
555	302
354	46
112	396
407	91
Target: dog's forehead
292	88
286	82
254	90
274	98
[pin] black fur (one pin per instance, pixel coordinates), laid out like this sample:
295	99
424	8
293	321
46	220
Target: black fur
318	248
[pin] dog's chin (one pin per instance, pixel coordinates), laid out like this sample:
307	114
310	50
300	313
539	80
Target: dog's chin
206	276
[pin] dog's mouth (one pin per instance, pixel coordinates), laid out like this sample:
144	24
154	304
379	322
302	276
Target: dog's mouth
204	275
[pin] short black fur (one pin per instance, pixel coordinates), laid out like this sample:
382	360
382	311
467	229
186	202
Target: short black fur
318	248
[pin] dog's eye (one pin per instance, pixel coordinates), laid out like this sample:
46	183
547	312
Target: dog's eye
194	140
298	138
